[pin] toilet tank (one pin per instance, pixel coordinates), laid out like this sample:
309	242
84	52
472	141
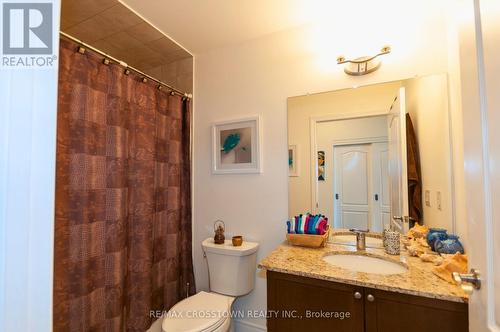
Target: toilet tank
231	269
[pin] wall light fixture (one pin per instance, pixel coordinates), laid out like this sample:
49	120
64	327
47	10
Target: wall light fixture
363	65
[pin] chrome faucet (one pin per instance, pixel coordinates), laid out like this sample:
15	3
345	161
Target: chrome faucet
360	238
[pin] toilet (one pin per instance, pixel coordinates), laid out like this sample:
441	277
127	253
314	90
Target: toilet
231	272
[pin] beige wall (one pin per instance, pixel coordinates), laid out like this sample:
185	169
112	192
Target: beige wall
427	104
257	77
372	99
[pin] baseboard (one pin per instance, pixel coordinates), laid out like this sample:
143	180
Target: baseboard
246	326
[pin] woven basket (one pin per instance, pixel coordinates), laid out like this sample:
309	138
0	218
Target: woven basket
308	240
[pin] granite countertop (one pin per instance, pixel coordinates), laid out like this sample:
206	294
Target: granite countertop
418	280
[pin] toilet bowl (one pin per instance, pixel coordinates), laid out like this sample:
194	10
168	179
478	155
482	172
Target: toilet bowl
231	273
203	312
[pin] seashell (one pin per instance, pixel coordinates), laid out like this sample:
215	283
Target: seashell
418	231
450	264
431	258
415	250
422	242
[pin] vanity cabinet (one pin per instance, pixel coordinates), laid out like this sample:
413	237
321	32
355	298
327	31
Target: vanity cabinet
304	304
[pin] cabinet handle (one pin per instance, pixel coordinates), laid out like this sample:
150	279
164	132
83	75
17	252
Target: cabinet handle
370	298
357	295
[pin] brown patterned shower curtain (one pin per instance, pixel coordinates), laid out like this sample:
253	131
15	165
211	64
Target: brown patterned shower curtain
123	198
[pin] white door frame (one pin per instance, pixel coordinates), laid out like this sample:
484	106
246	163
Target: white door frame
398	159
28	139
313	122
481	117
378	188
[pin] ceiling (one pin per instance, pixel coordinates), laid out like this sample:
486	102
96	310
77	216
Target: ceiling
203	25
113	28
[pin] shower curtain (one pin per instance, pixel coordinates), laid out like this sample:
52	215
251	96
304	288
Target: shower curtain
123	200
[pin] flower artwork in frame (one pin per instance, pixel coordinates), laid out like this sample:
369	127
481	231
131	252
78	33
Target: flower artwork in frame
293	167
321	166
236	146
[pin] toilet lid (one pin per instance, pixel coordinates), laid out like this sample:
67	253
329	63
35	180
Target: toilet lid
201	312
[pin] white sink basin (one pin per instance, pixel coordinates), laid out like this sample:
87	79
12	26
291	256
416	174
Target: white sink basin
367	264
371	242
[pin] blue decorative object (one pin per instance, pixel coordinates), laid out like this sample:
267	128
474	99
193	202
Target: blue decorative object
450	245
230	142
435	234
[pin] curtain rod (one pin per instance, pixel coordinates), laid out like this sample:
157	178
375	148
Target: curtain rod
126	66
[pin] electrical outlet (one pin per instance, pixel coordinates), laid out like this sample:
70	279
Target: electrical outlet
438	200
427	198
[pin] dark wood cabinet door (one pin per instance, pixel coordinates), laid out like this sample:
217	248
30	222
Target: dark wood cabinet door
395	312
303	304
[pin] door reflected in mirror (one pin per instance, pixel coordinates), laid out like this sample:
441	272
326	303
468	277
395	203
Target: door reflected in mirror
373	157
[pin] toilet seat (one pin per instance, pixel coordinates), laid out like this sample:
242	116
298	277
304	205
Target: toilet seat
203	312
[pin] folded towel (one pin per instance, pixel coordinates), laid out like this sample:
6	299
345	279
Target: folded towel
307	224
291	226
298	220
300	229
303	224
322	226
313	224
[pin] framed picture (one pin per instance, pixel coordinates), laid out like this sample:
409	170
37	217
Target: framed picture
293	160
321	166
236	146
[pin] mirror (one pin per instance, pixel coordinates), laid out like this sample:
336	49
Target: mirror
365	155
